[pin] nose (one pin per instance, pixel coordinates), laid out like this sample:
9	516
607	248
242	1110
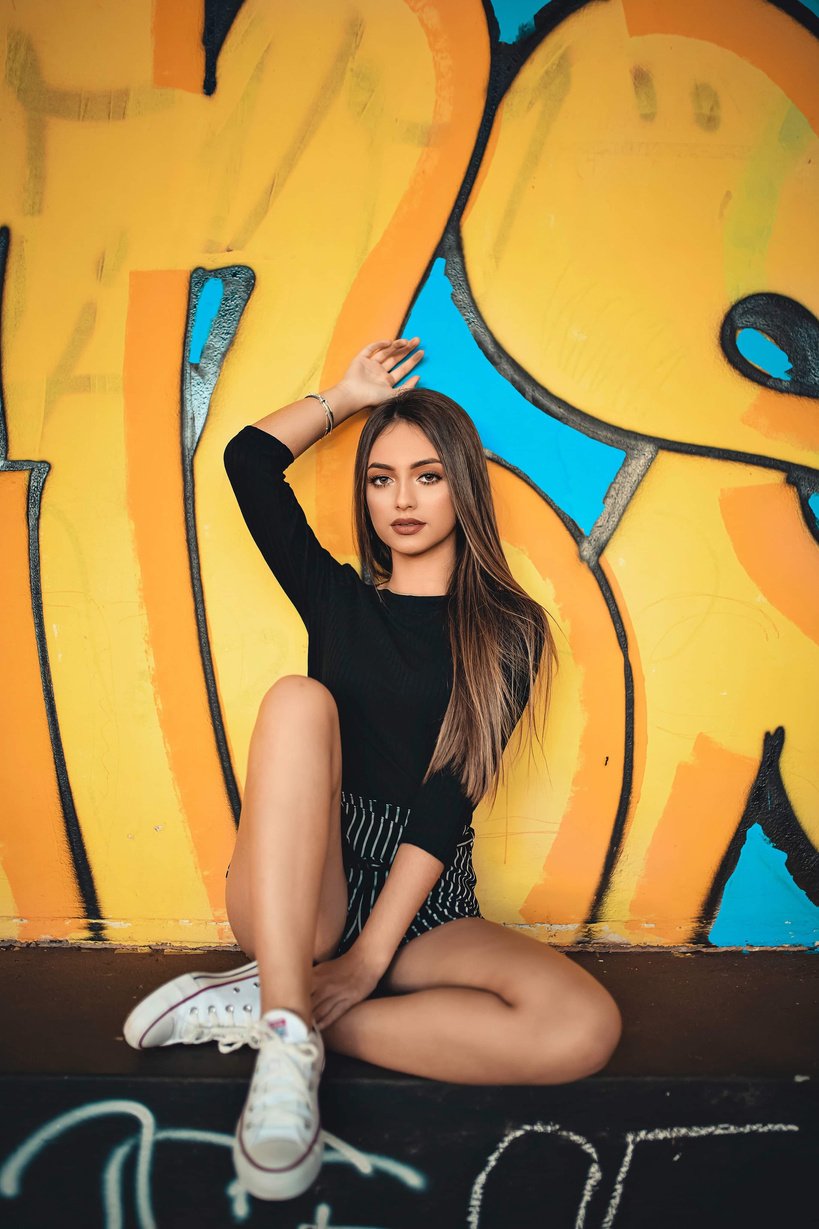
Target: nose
404	497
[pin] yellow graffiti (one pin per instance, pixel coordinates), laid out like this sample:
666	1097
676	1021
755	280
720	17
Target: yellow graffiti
647	167
114	187
632	228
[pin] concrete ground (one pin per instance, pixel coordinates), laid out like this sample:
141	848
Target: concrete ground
707	1114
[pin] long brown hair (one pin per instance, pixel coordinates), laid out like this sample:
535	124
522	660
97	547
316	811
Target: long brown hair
502	645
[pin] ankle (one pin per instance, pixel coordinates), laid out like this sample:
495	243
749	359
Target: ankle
304	1013
291	993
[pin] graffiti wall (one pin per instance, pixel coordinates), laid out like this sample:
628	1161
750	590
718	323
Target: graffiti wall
601	219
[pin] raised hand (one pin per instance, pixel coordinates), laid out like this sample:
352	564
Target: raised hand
378	369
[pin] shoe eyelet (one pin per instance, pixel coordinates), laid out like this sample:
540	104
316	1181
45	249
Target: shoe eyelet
256	984
229	1008
247	1007
236	990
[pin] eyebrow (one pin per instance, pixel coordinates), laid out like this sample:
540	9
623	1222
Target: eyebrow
415	464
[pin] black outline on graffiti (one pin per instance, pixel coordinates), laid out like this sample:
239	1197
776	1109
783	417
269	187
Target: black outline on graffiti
197	385
39	471
769	806
218	18
618	826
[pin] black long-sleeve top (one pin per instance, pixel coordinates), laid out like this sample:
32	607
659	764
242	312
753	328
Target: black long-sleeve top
385	657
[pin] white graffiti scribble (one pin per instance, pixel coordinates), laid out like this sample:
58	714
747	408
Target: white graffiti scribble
595	1173
143	1143
547	1128
663	1133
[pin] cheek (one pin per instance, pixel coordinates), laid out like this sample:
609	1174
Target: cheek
375	506
442	504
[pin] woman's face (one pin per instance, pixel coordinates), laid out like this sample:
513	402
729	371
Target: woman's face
406	481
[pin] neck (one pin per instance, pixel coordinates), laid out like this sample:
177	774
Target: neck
426	575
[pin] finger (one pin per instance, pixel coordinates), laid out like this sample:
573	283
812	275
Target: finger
411	383
326	1013
321	992
398	349
403	369
402	388
321	1001
336	1011
325	1023
386	349
374	346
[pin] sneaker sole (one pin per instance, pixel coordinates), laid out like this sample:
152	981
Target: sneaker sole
286	1183
152	1009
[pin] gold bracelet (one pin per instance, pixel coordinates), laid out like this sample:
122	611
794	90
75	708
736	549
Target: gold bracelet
328	412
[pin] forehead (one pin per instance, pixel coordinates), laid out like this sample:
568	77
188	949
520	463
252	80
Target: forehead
399	440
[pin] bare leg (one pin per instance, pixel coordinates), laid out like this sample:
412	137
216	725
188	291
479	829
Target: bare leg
523	1013
286	892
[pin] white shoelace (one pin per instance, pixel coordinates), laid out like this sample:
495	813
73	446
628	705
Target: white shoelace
280	1081
230	1036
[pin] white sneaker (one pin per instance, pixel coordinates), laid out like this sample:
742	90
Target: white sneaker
279	1147
197	1007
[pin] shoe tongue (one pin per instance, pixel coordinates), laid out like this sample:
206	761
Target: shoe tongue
288	1025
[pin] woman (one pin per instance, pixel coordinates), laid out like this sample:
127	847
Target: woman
351	883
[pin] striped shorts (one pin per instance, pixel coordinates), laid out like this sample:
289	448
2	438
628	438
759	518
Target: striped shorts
370	835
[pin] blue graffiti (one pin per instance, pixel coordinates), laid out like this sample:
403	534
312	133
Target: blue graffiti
761	900
516	18
765	354
813	504
207	309
143	1143
573	469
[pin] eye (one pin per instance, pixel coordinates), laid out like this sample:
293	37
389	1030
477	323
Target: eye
379	480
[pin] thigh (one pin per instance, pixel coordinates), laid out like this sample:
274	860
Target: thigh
485	955
333	894
301	709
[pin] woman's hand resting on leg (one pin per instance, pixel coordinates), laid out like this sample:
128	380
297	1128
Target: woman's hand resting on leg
341	983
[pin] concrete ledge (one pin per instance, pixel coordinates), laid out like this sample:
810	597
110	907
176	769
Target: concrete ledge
686	1013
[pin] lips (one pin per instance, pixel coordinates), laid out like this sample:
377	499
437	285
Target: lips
407	522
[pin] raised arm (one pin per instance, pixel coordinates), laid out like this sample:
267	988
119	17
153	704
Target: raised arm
257	456
371	377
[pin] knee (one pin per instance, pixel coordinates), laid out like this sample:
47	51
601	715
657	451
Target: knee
302	709
600	1036
587	1041
298	693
